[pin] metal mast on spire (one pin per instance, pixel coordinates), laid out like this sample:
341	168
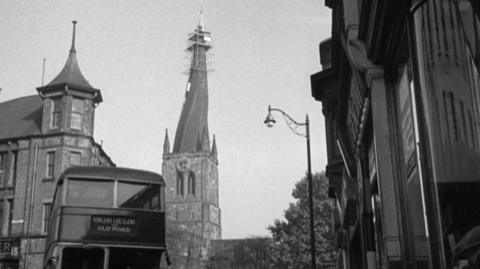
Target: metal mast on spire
72	49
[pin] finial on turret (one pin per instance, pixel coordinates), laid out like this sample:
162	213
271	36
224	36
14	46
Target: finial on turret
166	143
72	49
214	148
205	143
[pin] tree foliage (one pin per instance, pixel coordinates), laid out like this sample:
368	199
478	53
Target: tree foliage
291	237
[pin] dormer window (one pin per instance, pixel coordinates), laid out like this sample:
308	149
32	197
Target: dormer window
56	116
77	114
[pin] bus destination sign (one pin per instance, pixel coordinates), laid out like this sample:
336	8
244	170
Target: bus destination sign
113	225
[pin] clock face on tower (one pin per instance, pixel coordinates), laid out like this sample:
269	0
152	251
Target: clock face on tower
183	164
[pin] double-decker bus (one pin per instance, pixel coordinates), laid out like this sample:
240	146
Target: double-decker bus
106	218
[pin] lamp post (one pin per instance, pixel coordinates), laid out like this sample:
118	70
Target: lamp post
293	125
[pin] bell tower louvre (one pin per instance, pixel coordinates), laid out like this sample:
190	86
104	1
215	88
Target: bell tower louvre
190	169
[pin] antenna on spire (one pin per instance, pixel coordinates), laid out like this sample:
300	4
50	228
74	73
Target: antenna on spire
200	21
43	72
72	49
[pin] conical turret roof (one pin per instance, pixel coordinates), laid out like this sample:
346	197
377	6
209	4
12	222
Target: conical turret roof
71	73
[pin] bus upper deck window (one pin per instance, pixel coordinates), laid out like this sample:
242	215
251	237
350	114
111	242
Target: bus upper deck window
138	195
90	193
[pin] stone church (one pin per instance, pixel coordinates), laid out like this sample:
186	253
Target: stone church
190	168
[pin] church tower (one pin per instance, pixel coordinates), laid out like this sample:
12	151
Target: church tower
190	168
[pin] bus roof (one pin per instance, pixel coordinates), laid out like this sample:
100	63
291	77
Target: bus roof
113	173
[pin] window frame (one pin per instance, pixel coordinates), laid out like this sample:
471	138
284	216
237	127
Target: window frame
50	164
46	208
191	184
77	111
3	168
56	113
180	190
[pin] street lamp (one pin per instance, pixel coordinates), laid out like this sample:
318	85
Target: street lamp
293	125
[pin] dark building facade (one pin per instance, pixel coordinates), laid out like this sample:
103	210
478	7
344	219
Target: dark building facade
400	91
190	168
40	136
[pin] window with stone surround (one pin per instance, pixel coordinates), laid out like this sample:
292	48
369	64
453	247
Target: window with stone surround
50	166
46	216
76	121
56	111
191	183
1	217
10	216
3	167
8	168
180	184
12	170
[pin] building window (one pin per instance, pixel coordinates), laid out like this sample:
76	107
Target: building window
12	170
56	115
46	216
75	158
77	114
3	167
10	216
50	164
191	183
180	184
1	217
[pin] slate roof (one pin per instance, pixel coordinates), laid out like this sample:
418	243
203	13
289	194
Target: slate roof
71	73
21	117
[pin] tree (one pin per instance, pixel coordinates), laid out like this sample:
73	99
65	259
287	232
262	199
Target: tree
291	237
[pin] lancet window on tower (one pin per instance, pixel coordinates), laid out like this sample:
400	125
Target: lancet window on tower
180	184
191	183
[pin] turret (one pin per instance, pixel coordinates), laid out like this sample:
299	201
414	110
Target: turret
69	99
166	143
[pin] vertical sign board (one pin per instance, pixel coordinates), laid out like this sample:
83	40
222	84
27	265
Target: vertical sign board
406	121
413	188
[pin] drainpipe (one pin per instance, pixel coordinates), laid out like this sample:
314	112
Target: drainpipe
32	203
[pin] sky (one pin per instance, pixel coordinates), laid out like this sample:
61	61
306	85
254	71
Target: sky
264	52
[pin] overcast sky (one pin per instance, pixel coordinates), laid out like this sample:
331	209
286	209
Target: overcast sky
134	51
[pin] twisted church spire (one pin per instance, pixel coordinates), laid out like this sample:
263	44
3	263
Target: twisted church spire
192	128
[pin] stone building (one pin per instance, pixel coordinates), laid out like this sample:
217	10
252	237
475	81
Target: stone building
40	136
243	253
190	168
401	99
